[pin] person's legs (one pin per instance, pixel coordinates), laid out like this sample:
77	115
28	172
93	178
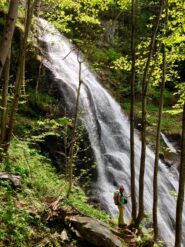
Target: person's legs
120	219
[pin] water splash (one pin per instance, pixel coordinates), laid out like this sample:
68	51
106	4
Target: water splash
108	130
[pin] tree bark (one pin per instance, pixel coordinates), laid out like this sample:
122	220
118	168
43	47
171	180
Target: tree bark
156	163
155	180
37	83
132	154
71	150
5	97
6	40
180	199
19	77
143	132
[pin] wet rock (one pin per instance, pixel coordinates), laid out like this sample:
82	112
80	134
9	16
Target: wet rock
95	232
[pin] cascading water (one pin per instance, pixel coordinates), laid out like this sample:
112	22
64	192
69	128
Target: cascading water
108	130
168	144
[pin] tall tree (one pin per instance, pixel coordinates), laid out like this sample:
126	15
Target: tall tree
6	73
157	148
144	101
155	180
180	199
20	71
132	158
74	125
6	40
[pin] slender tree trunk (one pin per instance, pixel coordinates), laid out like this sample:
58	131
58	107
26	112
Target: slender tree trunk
180	199
34	9
71	150
65	149
132	155
155	180
23	76
6	40
20	71
143	132
156	163
37	83
5	97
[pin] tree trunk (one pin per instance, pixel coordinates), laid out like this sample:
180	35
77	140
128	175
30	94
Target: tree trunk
143	132
71	150
156	163
5	97
132	155
37	83
180	199
155	180
6	41
23	76
19	77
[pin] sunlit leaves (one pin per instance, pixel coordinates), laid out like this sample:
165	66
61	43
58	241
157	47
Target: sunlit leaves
65	13
4	4
122	63
172	34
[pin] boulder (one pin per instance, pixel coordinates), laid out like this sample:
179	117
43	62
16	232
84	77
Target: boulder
95	232
16	180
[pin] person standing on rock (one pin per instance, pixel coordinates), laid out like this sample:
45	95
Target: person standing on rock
121	201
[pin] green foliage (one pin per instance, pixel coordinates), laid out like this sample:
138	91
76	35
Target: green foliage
68	11
4	5
112	54
172	35
146	238
23	125
101	58
63	14
21	211
169	122
181	101
14	224
122	63
57	127
78	199
45	102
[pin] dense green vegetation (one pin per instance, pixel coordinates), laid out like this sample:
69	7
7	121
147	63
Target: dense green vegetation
25	209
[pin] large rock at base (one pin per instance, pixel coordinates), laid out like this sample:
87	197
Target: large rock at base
16	180
96	232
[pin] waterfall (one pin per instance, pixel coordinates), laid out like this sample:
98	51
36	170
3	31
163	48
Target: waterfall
168	144
108	131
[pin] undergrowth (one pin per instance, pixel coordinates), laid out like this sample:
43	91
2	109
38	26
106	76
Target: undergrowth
24	209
